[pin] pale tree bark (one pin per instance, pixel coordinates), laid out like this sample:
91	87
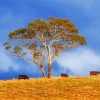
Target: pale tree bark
49	63
49	59
49	71
43	72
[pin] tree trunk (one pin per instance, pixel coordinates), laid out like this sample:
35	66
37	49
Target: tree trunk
49	71
49	63
43	73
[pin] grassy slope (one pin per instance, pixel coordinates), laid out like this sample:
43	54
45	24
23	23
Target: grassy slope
77	88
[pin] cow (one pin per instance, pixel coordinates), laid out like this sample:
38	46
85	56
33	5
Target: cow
94	73
64	75
23	77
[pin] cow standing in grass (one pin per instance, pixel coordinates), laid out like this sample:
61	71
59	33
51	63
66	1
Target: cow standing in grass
23	77
64	75
94	73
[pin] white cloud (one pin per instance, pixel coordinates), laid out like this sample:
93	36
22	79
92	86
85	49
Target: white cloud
80	61
6	63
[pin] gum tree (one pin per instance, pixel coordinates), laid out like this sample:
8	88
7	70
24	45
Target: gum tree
42	41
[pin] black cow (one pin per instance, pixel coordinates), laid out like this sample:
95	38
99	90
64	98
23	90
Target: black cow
64	75
23	77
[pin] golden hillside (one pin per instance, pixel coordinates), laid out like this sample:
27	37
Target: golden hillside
73	88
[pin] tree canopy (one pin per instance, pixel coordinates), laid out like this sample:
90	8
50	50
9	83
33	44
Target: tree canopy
44	41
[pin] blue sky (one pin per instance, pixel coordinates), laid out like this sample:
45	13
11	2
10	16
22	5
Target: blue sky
83	13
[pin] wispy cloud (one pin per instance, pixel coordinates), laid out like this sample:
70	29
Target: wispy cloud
6	62
80	61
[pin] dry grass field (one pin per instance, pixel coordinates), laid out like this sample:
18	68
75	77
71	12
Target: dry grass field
73	88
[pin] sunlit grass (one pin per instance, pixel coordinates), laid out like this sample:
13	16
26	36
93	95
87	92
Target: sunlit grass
73	88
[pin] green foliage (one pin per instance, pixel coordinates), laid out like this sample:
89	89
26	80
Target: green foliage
54	27
17	49
17	33
32	46
7	46
63	25
38	25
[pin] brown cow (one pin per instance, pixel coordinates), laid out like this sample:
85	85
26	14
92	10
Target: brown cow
23	77
64	75
94	73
